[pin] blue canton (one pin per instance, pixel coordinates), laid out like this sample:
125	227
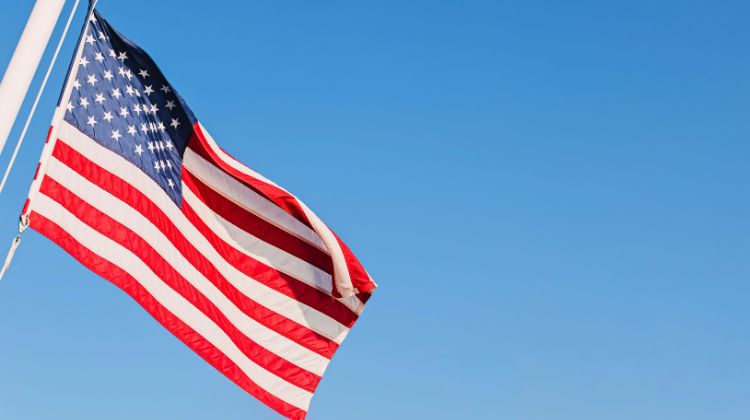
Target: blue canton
122	101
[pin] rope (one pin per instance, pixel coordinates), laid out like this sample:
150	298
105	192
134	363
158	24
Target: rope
36	101
13	247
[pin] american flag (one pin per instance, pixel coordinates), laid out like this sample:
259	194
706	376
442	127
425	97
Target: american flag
239	269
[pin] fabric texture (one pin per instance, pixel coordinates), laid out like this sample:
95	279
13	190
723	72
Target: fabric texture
236	267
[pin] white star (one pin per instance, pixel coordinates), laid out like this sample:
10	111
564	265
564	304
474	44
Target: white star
99	57
175	123
151	147
108	75
124	112
85	102
116	93
102	36
70	106
129	90
92	121
108	116
160	145
165	88
116	135
139	149
131	130
154	109
129	74
99	98
123	56
92	19
144	129
156	165
92	79
152	127
112	54
163	166
170	105
169	164
144	73
137	109
89	39
121	72
76	84
161	126
149	90
170	183
84	62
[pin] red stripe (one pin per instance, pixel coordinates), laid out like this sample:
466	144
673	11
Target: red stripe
134	198
257	226
198	143
364	297
120	234
182	331
36	172
25	207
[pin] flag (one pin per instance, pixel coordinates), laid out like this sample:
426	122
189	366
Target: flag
241	271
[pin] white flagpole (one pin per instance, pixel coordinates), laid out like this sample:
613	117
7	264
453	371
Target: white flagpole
57	117
38	96
25	60
49	146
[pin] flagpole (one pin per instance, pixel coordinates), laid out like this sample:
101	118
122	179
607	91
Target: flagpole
58	115
23	65
22	136
23	221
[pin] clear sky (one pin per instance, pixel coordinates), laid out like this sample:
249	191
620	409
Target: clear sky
553	197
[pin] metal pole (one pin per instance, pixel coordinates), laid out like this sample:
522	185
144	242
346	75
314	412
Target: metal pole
23	220
38	96
57	117
25	60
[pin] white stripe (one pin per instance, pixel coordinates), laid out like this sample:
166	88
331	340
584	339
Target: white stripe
248	199
341	270
171	300
135	221
278	302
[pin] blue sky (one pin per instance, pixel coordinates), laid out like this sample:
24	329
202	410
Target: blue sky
552	196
